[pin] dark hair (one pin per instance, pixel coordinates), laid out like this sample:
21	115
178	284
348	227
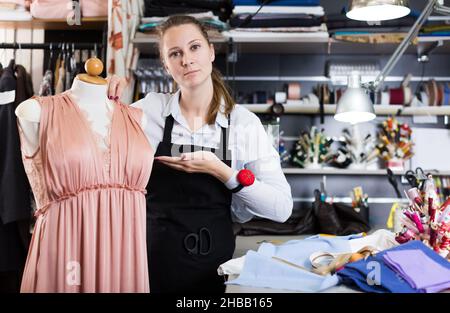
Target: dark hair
220	88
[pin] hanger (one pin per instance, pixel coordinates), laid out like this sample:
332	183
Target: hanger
93	67
50	57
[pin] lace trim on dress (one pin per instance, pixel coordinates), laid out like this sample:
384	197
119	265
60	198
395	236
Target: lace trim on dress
102	142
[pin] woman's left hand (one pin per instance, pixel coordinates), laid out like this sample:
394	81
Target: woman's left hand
199	162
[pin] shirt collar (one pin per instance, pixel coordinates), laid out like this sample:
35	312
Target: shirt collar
173	107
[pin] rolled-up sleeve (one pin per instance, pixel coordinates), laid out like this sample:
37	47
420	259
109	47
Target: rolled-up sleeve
270	195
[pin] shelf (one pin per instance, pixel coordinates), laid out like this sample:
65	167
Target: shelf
146	43
337	80
87	23
336	171
380	200
331	109
295	44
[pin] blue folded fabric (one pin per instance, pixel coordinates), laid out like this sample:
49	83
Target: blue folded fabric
373	275
262	270
302	3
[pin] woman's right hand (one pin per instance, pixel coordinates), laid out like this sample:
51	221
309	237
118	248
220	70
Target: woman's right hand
116	85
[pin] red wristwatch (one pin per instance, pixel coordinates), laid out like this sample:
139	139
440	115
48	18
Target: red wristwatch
245	178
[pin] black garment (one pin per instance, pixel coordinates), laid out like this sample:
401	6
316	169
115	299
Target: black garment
14	187
15	194
184	209
299	223
14	241
24	88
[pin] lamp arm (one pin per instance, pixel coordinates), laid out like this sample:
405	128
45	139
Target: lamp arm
376	84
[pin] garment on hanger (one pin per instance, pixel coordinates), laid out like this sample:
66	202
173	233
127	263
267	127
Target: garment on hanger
56	71
15	194
91	221
24	89
46	85
60	84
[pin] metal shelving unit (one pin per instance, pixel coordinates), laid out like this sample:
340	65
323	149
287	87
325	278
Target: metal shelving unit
331	109
338	79
295	44
336	171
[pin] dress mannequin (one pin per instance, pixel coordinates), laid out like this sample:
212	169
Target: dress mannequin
84	187
89	91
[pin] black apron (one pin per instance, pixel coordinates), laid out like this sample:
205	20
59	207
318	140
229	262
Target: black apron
189	227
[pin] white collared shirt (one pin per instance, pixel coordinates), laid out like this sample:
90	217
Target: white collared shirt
270	195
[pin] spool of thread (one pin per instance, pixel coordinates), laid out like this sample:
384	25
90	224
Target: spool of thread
408	95
325	94
440	94
294	91
432	92
446	100
396	96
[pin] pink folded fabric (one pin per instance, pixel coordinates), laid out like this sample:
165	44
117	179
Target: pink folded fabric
48	9
94	8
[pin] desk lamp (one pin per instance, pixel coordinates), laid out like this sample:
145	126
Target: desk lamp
355	105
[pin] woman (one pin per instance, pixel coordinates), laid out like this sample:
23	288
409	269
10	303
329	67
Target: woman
204	141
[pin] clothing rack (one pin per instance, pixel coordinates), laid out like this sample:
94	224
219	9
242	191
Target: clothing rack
53	45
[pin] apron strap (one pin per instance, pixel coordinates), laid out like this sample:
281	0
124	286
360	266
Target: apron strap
224	140
168	130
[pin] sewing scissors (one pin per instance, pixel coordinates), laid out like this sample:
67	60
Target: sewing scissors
414	178
198	247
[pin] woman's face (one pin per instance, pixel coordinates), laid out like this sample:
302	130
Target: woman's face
187	55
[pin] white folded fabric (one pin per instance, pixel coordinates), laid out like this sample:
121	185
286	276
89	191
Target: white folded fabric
232	267
381	239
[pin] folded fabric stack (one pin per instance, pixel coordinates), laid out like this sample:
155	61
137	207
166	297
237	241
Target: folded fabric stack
288	266
14	10
163	8
408	268
297	17
435	30
389	31
212	22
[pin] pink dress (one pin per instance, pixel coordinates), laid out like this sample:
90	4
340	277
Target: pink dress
90	233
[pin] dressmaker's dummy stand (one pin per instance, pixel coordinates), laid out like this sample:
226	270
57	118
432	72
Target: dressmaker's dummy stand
89	92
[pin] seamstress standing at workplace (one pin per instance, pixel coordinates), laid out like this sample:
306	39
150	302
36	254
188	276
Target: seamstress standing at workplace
193	194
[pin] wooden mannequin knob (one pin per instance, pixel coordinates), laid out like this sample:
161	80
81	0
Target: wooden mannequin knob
93	67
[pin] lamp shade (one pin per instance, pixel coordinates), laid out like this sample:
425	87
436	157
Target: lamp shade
377	10
354	106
